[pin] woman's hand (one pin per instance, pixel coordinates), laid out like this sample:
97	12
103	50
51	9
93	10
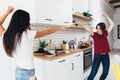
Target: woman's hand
10	9
81	23
49	31
63	28
3	17
105	15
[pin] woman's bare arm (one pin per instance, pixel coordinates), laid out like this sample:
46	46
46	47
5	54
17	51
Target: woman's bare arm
49	31
86	28
110	22
3	17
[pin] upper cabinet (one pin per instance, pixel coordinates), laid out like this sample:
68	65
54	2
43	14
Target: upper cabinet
46	11
80	5
65	11
58	12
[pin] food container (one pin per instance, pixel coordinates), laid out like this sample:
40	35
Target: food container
52	51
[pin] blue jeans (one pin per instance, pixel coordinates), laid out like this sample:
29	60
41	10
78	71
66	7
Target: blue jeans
98	58
24	74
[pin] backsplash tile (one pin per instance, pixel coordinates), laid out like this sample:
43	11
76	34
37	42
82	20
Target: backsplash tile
59	36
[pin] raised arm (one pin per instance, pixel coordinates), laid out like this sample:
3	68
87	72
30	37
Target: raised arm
87	28
49	31
110	22
3	17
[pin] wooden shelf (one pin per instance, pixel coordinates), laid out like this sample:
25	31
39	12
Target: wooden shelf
81	17
78	27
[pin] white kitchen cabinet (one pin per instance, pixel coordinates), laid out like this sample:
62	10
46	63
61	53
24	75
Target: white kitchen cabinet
76	62
53	12
65	68
65	12
51	70
46	11
59	69
80	6
58	12
68	68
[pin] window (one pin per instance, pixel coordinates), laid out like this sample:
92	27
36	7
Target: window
118	31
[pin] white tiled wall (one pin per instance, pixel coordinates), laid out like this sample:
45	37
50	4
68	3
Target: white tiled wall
59	36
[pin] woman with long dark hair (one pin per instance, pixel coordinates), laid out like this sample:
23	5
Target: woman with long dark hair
18	43
101	48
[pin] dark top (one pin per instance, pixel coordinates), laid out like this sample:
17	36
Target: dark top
101	44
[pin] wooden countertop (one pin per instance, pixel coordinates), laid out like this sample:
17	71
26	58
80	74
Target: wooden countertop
38	55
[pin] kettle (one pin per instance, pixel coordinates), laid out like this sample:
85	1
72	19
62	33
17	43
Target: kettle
71	44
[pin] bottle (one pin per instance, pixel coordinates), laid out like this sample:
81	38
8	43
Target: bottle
51	45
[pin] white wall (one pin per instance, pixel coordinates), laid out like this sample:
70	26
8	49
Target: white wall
7	65
117	22
7	68
97	8
27	5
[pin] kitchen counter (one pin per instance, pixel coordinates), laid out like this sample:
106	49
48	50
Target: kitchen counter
62	67
37	55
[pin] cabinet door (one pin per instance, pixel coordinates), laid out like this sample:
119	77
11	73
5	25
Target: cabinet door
59	70
57	12
80	5
46	11
76	70
76	67
65	12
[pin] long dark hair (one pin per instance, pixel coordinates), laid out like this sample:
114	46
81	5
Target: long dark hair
19	23
102	26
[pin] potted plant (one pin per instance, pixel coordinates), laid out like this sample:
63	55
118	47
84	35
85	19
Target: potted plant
42	45
87	14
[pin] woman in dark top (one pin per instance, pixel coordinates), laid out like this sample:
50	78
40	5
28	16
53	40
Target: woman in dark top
101	48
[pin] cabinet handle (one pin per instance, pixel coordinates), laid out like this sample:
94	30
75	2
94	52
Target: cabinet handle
48	19
62	61
72	66
88	54
78	55
66	22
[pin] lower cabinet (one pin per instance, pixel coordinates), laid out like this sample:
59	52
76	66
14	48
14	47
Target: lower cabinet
77	70
65	68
